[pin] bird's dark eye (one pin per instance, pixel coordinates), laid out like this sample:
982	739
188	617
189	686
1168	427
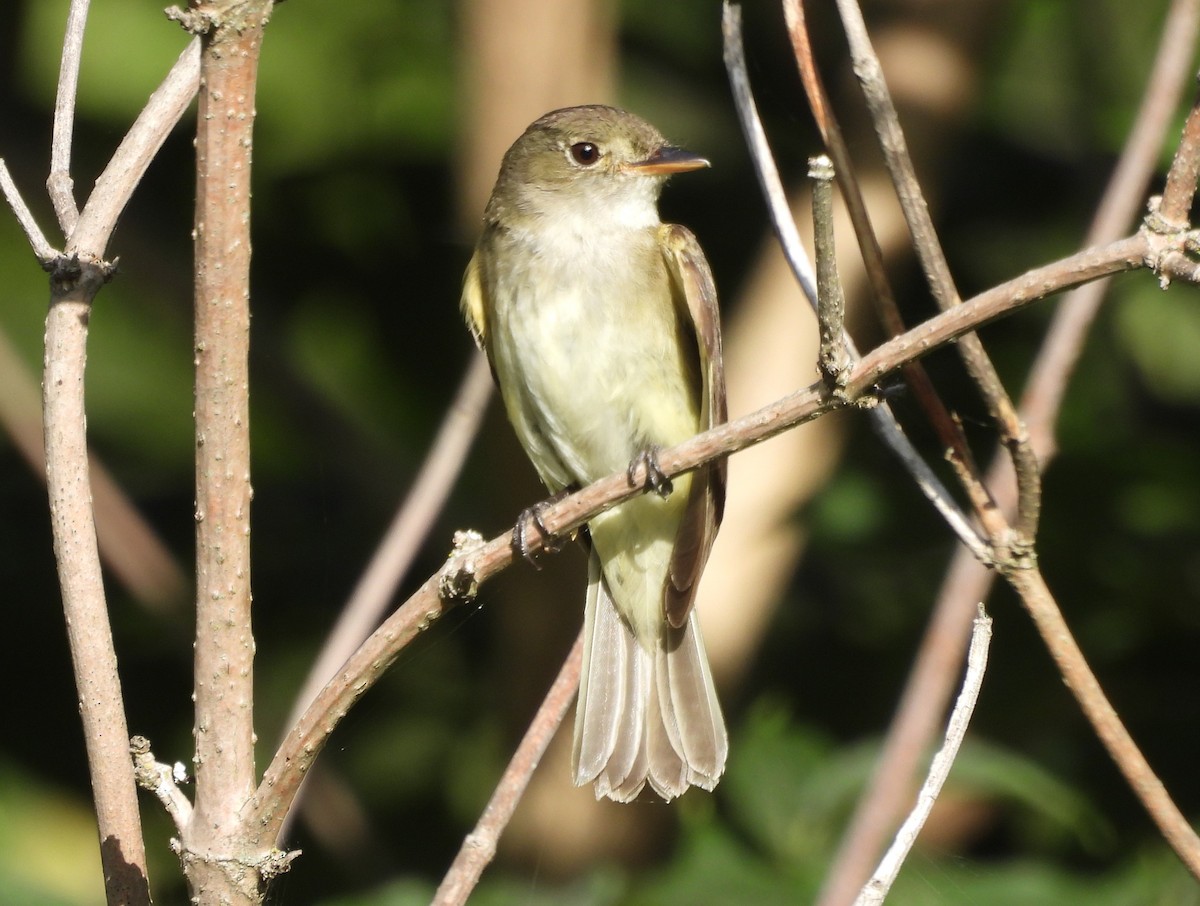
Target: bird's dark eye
585	153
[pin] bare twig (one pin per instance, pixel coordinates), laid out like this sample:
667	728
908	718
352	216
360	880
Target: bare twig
161	780
877	888
60	185
1176	206
113	189
881	415
45	252
833	357
479	847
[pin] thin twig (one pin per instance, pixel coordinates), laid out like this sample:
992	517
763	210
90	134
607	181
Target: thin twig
59	184
882	418
941	283
404	536
113	189
267	808
935	666
479	847
877	888
833	356
45	252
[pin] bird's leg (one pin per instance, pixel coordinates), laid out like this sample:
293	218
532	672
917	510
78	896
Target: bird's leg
656	480
532	517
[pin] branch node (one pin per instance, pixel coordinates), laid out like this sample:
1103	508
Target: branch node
197	22
1018	553
277	862
162	780
458	581
1156	222
71	273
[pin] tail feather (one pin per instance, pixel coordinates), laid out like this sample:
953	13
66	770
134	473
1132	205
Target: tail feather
644	716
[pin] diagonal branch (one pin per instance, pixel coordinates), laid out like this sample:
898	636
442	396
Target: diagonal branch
125	170
479	847
404	536
267	809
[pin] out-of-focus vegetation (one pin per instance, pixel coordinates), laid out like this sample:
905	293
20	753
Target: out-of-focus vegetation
358	346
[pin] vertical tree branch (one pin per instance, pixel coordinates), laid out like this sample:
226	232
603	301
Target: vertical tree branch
59	184
101	705
224	663
833	357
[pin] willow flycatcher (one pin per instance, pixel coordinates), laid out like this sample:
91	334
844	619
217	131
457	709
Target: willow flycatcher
601	326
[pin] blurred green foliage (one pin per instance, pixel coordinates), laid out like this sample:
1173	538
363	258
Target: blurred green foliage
357	349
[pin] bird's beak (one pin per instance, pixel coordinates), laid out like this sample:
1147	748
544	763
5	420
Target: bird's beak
668	160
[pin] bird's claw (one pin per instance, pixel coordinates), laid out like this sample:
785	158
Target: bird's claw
656	479
532	518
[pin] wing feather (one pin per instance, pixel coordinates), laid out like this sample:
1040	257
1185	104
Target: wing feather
696	301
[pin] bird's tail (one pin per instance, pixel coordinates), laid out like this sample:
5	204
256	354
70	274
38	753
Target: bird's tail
644	716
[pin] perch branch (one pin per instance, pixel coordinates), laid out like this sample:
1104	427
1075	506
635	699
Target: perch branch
404	536
269	805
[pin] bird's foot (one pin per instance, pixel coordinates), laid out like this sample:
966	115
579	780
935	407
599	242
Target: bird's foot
655	479
532	518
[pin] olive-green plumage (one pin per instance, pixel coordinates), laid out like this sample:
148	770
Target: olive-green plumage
601	326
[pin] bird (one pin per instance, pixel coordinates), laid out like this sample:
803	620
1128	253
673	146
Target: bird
602	330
